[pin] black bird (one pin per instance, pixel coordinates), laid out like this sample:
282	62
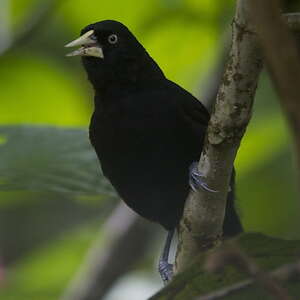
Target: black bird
146	130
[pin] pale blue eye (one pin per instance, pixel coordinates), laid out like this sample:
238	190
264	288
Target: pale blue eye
113	39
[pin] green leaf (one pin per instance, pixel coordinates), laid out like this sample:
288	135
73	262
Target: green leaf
44	172
50	159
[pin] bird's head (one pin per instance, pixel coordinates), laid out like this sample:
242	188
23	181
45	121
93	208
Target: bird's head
110	53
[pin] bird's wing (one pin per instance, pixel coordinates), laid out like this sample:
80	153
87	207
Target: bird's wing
190	110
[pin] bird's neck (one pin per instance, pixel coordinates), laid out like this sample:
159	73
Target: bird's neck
127	78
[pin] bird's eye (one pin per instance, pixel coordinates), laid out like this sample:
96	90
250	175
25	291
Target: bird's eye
113	39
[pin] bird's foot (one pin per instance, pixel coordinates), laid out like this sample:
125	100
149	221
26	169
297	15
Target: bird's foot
196	179
165	270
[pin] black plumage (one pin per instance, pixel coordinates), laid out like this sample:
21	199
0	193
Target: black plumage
146	130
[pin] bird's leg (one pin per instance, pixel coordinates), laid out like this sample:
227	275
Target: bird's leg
196	179
165	269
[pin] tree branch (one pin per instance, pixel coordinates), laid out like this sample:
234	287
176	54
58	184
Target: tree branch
282	56
201	224
208	95
128	238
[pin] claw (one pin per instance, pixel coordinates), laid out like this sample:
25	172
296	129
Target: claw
165	270
196	179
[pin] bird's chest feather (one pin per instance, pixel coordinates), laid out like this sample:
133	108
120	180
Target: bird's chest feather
145	149
132	135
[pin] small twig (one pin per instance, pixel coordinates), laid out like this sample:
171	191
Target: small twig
234	256
282	57
284	273
267	280
31	25
227	290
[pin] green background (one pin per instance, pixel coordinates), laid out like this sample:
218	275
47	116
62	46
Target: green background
39	86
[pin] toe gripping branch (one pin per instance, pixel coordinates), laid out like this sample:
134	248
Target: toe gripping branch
196	179
165	270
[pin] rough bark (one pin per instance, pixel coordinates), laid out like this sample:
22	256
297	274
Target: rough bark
201	224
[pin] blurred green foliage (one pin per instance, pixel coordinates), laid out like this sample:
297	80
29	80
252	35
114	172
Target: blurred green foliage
43	167
268	253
